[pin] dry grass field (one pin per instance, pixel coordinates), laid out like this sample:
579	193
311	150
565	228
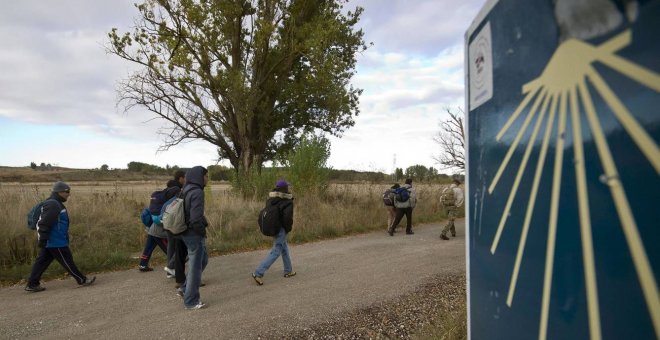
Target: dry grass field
106	233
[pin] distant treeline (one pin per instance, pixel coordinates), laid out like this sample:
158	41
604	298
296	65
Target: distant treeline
418	172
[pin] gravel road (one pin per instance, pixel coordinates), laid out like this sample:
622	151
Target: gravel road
340	284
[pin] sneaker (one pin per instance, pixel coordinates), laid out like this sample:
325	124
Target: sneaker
170	272
199	305
179	292
410	232
88	282
258	279
290	274
390	232
145	268
35	289
444	237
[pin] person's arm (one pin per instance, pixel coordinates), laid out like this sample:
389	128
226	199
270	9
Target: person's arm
287	215
460	198
197	220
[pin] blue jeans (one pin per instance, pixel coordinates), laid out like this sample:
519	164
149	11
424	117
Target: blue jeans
280	247
198	258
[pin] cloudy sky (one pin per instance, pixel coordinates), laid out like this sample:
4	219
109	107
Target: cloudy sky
58	100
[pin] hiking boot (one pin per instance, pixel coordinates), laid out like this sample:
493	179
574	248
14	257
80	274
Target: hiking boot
199	305
88	282
170	272
145	268
34	289
290	274
258	279
391	232
444	237
453	235
409	232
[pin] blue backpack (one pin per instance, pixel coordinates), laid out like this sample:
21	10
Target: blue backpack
401	194
145	217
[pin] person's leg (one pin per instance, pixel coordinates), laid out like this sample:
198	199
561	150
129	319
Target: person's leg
195	245
450	223
397	219
275	252
40	265
180	260
286	259
409	220
452	217
391	214
149	246
170	250
161	242
64	257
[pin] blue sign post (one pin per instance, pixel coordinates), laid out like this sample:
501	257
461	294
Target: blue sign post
563	168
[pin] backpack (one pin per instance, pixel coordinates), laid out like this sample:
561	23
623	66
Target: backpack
270	219
448	199
387	198
401	194
145	217
156	203
34	214
174	216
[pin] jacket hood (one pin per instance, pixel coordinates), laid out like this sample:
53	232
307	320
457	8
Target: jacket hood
407	186
196	176
276	196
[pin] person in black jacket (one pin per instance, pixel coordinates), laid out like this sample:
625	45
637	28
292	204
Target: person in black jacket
195	236
281	197
53	239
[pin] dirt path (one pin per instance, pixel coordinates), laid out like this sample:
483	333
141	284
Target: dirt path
334	277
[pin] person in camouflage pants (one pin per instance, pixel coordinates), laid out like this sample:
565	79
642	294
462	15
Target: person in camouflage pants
452	199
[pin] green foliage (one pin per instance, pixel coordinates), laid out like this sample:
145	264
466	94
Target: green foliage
398	174
306	165
104	167
33	165
254	184
247	76
219	173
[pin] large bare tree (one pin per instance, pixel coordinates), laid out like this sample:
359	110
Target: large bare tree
451	139
249	76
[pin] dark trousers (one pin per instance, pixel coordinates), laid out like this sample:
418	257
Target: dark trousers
171	250
180	254
44	259
399	216
149	246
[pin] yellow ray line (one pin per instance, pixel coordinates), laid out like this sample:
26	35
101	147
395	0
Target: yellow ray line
516	113
622	40
632	70
636	132
585	223
521	169
532	200
641	261
552	224
513	145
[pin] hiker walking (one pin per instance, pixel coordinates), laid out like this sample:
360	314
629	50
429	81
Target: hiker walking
388	200
176	259
283	201
451	199
156	235
53	240
405	199
194	237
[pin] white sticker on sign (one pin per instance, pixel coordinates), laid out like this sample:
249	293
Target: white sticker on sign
480	59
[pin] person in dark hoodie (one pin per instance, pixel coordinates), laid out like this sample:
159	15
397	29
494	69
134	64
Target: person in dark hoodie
195	236
53	239
281	197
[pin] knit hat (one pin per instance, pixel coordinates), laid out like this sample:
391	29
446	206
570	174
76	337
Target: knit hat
60	186
281	184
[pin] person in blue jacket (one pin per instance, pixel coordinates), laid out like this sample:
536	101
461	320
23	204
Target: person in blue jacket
53	240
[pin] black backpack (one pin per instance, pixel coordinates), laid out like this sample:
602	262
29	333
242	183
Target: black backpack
270	219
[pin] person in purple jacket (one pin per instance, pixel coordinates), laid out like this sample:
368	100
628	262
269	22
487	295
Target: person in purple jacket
53	240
